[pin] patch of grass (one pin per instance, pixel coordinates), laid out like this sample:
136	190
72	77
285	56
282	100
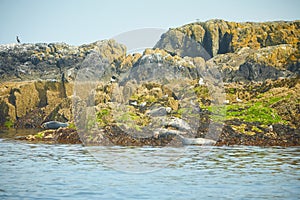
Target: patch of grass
39	135
8	124
259	96
183	111
218	112
90	123
148	98
257	112
133	120
103	112
242	129
128	116
274	100
256	129
201	91
144	98
137	127
72	126
103	117
231	90
249	112
265	115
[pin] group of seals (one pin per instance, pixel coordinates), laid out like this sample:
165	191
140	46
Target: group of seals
184	140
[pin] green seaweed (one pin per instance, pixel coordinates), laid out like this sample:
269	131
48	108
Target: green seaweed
256	129
103	116
274	100
201	91
256	112
133	120
39	135
8	124
217	112
72	126
90	123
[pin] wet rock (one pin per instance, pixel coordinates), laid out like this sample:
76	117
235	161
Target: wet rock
61	136
66	136
118	137
281	135
157	112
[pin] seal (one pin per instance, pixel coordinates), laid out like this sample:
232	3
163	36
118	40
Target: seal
54	125
185	140
197	141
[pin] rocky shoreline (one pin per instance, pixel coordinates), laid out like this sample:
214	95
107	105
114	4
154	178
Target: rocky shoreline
280	135
258	63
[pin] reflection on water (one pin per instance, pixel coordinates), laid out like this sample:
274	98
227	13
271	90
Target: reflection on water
11	133
142	160
71	172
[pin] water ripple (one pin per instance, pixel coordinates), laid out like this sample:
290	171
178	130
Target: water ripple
41	171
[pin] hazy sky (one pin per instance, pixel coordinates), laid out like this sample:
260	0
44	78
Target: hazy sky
84	21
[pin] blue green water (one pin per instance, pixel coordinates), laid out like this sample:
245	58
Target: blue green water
43	171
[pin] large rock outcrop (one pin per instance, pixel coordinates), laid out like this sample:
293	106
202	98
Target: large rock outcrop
248	64
29	103
259	63
37	79
241	51
219	36
21	62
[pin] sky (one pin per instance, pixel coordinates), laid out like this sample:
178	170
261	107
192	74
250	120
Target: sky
79	22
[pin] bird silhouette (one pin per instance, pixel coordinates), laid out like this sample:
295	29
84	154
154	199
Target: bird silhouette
18	40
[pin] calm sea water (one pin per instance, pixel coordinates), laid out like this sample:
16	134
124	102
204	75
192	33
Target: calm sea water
43	171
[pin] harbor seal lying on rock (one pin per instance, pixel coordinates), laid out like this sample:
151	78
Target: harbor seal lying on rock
197	141
54	125
185	140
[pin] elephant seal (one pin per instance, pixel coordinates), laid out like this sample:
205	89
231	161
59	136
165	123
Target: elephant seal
54	125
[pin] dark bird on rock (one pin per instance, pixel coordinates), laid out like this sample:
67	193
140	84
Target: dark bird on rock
18	40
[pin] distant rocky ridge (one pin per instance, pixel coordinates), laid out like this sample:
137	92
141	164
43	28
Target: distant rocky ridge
259	64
